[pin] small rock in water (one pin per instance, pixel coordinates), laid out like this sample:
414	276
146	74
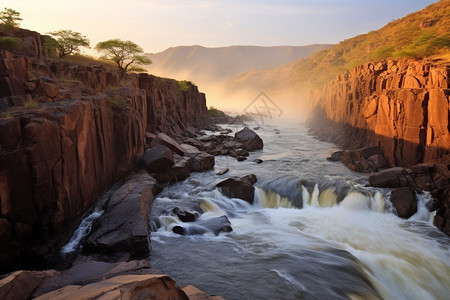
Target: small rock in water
256	128
257	161
185	216
241	158
223	171
336	156
213	225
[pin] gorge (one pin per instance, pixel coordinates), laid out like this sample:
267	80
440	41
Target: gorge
159	188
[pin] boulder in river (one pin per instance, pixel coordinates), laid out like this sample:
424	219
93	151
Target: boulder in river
124	226
179	171
212	225
184	215
241	188
249	139
158	158
164	139
365	160
404	201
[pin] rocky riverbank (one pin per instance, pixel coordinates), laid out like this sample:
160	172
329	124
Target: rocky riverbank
68	133
400	108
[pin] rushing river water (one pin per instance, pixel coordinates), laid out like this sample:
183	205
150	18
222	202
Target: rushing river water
315	231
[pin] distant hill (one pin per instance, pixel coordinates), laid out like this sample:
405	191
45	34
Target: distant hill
202	64
423	34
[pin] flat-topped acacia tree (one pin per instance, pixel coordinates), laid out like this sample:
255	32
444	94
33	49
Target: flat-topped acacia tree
10	18
127	55
69	42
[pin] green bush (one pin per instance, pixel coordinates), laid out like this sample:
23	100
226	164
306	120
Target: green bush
213	112
10	43
383	53
184	85
118	102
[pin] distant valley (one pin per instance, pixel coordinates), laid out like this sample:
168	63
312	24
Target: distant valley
212	68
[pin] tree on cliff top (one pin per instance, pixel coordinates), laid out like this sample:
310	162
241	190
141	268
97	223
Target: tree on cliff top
127	55
69	42
10	18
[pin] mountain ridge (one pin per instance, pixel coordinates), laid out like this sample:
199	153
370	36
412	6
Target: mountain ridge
425	33
218	63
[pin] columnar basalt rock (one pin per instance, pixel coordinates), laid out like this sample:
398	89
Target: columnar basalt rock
84	132
402	107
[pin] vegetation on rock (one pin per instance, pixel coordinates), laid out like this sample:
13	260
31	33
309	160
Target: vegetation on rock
69	42
10	18
127	55
422	34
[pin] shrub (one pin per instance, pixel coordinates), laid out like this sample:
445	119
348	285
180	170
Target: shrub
31	104
383	53
118	102
10	43
184	85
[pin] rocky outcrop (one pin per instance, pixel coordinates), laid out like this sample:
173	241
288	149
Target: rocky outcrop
92	280
241	187
402	107
56	161
214	226
172	107
124	226
67	134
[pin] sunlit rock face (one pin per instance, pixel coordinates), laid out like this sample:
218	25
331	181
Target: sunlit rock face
400	106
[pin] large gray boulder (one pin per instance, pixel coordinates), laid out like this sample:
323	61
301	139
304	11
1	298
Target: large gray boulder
123	228
201	161
158	158
179	171
164	139
241	188
404	201
249	139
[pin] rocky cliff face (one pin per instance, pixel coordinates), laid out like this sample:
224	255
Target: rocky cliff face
67	134
403	106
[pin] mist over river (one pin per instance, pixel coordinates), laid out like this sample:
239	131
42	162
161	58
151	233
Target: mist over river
315	231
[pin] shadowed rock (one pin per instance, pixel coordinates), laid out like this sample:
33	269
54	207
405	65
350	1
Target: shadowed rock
185	216
201	161
179	171
365	160
212	225
241	188
249	139
124	226
404	201
164	139
158	158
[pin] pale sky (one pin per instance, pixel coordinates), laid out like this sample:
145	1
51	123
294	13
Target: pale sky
156	25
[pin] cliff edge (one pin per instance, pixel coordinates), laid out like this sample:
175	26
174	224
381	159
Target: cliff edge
68	132
402	107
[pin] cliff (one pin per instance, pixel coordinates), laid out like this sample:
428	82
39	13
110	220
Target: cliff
67	134
403	106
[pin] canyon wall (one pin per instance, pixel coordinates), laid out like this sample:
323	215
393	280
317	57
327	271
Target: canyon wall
402	106
67	133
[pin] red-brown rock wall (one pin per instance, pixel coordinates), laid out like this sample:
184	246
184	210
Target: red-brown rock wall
83	134
403	106
171	108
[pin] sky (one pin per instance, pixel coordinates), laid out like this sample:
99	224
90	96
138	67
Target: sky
156	25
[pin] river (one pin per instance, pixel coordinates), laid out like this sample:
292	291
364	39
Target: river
315	231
